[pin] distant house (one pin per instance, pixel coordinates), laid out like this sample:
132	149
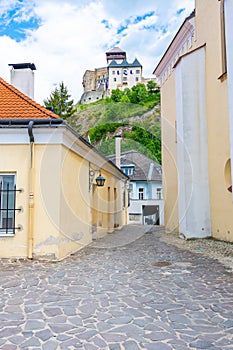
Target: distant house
196	76
146	201
50	204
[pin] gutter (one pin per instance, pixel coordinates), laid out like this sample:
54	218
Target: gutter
25	122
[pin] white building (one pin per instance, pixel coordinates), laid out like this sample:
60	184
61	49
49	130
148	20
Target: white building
124	75
146	201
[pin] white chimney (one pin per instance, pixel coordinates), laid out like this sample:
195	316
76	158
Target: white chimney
22	77
118	150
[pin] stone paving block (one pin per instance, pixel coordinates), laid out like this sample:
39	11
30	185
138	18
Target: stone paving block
34	325
227	324
52	311
31	342
63	337
77	320
16	339
87	335
155	336
90	347
98	341
60	328
120	320
111	337
130	345
9	347
114	347
50	345
44	335
7	332
201	344
157	346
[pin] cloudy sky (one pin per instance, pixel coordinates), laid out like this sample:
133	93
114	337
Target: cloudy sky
65	37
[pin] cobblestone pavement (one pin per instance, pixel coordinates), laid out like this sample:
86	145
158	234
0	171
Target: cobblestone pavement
116	297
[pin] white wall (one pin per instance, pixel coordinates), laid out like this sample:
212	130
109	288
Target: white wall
131	78
192	146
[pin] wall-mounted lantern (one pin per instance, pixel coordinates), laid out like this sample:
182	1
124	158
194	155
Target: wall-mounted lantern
99	181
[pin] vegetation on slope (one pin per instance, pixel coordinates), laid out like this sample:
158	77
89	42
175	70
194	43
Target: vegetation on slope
134	113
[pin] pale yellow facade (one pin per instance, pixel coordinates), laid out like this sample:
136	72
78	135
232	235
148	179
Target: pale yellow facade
61	208
197	153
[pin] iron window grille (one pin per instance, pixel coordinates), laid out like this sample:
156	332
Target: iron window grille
8	204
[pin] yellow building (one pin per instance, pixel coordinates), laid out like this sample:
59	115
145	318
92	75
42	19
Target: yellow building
50	205
196	79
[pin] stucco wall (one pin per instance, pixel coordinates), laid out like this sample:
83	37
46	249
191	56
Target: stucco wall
192	146
169	154
217	113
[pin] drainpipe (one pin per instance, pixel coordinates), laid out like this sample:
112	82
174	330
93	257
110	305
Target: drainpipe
31	191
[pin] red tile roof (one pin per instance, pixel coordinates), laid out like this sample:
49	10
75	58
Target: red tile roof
15	105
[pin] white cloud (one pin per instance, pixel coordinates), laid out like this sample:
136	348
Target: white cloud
72	38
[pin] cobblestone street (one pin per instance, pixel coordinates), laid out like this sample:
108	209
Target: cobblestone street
137	292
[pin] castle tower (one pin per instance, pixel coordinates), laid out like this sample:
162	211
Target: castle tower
115	54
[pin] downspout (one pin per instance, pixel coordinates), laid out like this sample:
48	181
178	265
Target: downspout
31	191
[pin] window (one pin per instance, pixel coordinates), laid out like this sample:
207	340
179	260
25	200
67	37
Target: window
7	204
128	170
113	72
114	79
136	79
159	193
130	191
124	78
125	72
137	71
123	200
141	193
118	72
131	72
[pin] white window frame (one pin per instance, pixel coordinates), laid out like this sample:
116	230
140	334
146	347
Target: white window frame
141	193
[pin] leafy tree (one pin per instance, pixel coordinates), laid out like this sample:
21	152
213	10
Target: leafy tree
125	99
59	102
139	93
150	141
116	95
151	85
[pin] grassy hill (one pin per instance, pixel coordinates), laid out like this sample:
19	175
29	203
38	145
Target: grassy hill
138	123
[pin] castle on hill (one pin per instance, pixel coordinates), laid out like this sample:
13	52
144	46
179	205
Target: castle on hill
118	74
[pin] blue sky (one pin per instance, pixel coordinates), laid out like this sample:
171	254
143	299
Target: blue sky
65	37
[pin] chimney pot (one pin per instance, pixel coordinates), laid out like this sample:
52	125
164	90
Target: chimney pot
22	77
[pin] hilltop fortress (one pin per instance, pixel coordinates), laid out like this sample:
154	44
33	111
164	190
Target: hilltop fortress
118	74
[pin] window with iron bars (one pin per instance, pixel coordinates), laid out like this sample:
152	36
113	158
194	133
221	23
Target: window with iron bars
7	204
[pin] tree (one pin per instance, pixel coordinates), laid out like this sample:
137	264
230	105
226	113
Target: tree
116	95
59	102
139	93
151	85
